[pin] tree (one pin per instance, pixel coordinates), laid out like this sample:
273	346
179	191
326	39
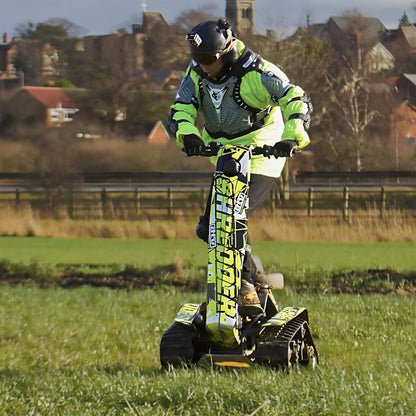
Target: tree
38	40
178	47
351	109
53	30
404	20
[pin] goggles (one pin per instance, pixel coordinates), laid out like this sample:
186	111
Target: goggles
205	59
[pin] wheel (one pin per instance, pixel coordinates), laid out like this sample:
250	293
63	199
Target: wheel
176	347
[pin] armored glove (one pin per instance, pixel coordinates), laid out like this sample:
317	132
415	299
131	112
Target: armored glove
193	145
285	148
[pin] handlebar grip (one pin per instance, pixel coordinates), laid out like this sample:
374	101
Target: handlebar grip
265	150
210	150
268	151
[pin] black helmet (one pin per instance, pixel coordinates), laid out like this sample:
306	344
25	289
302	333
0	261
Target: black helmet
212	39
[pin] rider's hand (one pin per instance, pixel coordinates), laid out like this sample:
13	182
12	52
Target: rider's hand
285	148
193	145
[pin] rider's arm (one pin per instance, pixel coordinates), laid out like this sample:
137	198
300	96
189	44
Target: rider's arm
295	105
296	108
181	120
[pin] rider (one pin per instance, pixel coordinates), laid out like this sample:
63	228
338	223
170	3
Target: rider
245	100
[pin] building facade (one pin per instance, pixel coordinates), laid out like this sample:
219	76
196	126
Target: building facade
240	13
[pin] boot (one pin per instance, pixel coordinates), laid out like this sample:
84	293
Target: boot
248	301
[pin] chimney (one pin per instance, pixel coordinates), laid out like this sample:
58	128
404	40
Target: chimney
5	38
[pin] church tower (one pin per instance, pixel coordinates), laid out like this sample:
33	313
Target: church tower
240	13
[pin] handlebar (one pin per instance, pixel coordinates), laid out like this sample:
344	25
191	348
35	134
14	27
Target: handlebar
266	150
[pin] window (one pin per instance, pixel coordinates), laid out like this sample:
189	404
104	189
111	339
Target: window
54	115
246	12
69	115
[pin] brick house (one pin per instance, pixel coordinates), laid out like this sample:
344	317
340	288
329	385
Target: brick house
158	134
49	106
346	33
403	121
8	52
406	87
402	44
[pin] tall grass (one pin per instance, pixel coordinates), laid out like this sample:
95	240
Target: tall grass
92	351
262	226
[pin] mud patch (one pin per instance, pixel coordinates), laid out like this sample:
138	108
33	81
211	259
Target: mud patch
381	281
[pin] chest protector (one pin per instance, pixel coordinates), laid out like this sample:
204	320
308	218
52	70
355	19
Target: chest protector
225	112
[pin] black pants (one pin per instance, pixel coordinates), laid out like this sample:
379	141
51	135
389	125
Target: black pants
259	187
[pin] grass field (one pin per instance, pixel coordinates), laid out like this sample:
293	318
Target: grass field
90	351
95	351
289	255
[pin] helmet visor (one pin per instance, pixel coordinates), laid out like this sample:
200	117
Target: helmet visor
204	59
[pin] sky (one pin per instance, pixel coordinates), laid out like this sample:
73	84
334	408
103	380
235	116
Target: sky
99	17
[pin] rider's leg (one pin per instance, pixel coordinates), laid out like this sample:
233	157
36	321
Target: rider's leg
252	279
202	228
260	187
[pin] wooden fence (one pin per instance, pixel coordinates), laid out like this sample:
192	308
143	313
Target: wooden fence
165	201
171	194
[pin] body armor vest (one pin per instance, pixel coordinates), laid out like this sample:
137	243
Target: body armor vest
225	112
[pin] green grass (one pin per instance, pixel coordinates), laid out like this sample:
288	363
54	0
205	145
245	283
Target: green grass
90	351
286	255
95	351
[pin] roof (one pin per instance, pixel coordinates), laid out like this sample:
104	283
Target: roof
158	135
151	20
371	28
159	77
50	97
409	33
411	78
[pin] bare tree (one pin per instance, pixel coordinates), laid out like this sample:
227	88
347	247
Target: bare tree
351	100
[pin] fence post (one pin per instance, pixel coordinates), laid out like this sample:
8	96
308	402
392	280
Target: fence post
274	197
203	200
71	204
383	202
104	201
285	181
346	204
137	201
170	202
310	202
17	199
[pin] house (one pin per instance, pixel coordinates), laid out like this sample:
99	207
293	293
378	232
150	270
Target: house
123	50
114	51
8	76
342	31
348	34
379	59
158	80
8	51
406	87
50	61
159	134
402	44
403	121
49	106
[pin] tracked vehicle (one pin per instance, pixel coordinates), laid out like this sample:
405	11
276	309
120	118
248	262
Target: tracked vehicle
216	332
